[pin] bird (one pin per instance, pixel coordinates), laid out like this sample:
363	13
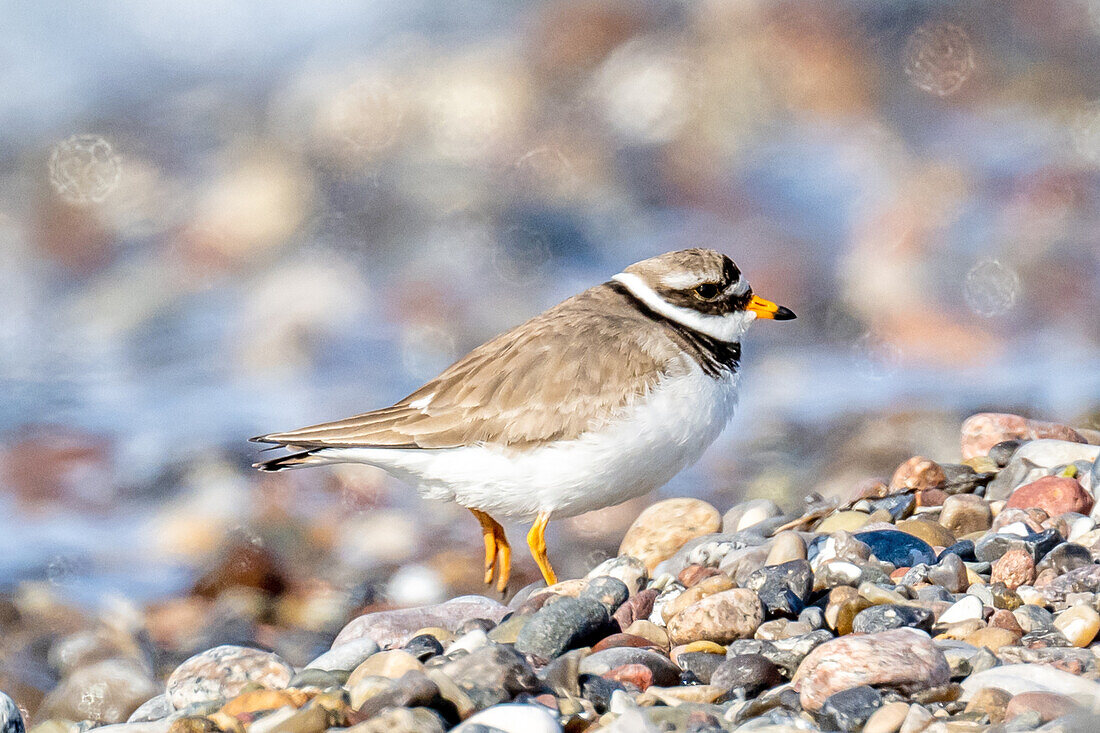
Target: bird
597	400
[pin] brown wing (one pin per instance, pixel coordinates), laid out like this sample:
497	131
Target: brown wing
554	377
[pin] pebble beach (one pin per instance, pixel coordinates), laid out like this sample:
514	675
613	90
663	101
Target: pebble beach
950	596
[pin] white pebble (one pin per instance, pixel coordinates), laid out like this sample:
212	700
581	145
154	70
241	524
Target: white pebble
970	607
512	718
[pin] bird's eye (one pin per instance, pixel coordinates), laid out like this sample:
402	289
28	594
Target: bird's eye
706	291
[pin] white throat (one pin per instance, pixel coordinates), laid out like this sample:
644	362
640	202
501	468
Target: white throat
728	328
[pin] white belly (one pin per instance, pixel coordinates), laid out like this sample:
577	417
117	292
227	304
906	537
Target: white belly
638	452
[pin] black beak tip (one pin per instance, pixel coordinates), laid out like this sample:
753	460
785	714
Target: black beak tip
785	314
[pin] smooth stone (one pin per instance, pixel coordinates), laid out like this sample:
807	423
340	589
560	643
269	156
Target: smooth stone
1018	678
898	506
623	639
891	616
887	719
394	628
1033	618
390	664
965	513
639	606
739	564
628	570
634	674
345	657
749	514
849	709
992	546
949	573
848	521
992	638
749	672
263	700
968	608
609	592
933	533
491	675
721	618
701	664
1053	494
105	692
917	720
966	479
398	720
223	672
11	720
980	432
318	679
599	663
1079	625
468	642
696	593
786	546
663	528
1050	453
649	630
1001	453
898	548
697	694
507	631
1049	705
155	708
918	474
1014	568
902	658
565	624
991	701
1066	557
1017	473
511	718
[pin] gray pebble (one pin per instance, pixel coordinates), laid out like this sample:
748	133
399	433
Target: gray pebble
562	625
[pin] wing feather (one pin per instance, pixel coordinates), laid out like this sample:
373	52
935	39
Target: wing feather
547	379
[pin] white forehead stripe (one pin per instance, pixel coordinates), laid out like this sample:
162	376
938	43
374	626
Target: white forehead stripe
739	286
680	280
727	328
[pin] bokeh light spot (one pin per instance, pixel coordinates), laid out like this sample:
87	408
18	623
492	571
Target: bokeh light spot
84	169
939	58
991	288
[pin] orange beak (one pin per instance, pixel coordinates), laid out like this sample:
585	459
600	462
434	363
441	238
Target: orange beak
767	309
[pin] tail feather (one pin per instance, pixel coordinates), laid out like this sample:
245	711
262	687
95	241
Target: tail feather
293	460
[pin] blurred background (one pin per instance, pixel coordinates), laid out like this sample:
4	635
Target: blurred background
225	218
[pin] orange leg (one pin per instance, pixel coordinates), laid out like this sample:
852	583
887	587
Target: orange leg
536	540
498	553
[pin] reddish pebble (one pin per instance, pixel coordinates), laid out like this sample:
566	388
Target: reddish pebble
1014	568
983	431
1004	619
639	605
638	675
931	497
899	573
1049	705
918	473
695	574
1054	495
1045	578
616	640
